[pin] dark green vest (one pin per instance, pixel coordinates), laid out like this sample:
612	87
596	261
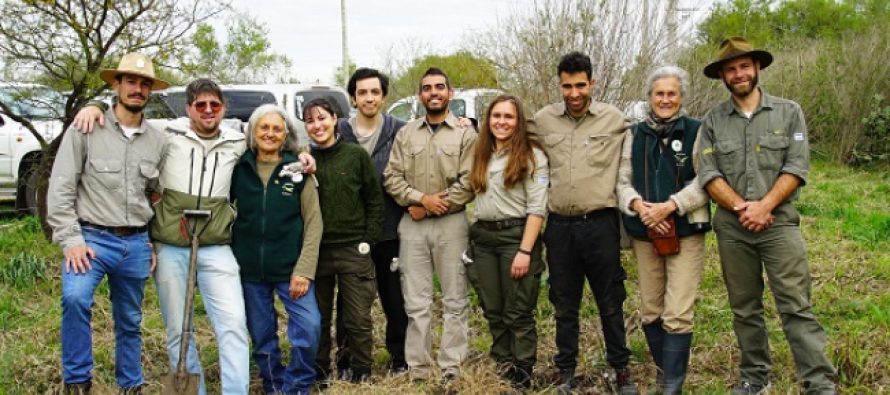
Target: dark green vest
267	236
656	167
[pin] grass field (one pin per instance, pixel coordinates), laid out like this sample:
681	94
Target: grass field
846	224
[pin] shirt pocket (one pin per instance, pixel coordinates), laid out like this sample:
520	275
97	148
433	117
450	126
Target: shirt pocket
414	162
729	156
557	149
107	172
449	161
599	147
771	152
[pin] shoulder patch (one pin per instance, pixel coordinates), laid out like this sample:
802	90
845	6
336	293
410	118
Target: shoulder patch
707	151
798	136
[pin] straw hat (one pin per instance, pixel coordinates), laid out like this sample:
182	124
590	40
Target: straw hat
135	64
735	47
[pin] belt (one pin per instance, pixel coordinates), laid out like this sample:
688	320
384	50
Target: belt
502	224
120	231
581	217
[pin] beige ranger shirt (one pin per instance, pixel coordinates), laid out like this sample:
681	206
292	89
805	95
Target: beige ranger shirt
526	198
426	162
102	178
584	156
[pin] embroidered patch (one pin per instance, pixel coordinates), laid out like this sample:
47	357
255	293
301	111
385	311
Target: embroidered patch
287	189
677	145
543	180
707	151
778	132
798	136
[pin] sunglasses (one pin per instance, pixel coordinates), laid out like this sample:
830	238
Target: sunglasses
201	106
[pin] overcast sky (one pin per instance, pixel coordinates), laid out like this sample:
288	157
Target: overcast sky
308	31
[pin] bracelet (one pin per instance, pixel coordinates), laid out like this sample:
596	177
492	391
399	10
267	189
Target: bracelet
521	251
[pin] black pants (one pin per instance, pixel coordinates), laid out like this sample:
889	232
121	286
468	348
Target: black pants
389	287
579	248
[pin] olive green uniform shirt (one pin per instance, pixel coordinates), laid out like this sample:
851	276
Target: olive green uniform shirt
751	153
528	197
584	156
427	162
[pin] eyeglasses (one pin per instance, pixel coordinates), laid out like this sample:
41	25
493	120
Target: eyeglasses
201	106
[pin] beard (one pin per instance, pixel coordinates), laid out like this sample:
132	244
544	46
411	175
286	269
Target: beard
436	111
742	92
134	108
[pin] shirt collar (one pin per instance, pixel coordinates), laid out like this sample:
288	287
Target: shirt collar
559	109
766	102
450	120
112	117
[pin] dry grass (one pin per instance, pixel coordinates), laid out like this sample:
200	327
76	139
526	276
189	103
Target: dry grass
851	278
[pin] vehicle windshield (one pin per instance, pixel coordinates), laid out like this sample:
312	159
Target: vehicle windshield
338	99
33	102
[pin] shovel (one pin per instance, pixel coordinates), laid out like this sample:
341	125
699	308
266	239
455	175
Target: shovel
180	382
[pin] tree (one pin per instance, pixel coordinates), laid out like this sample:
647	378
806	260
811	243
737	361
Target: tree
618	36
464	70
65	43
244	58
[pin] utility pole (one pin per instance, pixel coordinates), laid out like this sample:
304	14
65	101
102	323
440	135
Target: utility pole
672	44
344	41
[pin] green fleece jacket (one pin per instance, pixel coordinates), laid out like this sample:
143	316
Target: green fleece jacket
350	195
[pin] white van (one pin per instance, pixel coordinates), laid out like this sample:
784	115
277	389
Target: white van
467	103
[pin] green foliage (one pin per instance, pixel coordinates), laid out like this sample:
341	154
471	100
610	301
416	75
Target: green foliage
464	70
875	147
23	270
246	57
769	21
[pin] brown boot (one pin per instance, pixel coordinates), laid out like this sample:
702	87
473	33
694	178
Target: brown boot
78	389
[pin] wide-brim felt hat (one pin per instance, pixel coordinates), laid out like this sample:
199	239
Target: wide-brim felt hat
735	47
135	64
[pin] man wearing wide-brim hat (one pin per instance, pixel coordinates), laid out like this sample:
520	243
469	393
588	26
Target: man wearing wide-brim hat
753	158
98	209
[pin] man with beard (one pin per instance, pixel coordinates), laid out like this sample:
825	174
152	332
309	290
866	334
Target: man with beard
428	172
98	208
583	140
376	133
753	157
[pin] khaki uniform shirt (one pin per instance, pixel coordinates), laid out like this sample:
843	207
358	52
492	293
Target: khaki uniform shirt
584	156
751	153
427	162
524	199
101	178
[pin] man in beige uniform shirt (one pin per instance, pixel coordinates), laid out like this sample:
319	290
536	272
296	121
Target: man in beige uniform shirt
428	172
583	140
98	208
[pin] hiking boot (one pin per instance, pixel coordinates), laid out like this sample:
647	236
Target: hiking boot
521	377
449	375
78	388
567	382
135	390
361	375
747	388
624	382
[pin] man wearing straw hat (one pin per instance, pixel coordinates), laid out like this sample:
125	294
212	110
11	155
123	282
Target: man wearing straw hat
753	158
98	208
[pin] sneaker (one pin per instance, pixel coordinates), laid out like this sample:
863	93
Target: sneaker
747	388
624	382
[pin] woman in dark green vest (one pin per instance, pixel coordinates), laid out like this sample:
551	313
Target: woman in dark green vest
276	238
666	214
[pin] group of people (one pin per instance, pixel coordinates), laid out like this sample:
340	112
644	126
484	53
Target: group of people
378	206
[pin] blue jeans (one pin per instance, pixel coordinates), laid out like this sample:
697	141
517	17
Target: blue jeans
303	331
126	262
220	287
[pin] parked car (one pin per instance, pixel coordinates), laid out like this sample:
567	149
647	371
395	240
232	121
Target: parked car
468	103
20	152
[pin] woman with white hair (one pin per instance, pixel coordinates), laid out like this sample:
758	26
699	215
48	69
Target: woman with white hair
276	237
662	203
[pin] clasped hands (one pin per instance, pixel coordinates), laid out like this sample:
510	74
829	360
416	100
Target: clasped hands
653	215
754	215
434	204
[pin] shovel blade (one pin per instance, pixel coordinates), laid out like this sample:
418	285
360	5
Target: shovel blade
180	383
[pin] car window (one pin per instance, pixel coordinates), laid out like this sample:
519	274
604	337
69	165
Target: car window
34	103
176	102
402	111
337	98
158	109
240	104
458	107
